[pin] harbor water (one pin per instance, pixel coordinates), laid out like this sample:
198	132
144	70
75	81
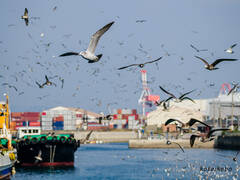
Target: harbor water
117	161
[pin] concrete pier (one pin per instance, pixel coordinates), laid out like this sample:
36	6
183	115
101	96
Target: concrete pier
105	136
156	143
228	142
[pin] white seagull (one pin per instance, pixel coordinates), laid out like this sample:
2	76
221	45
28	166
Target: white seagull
89	53
25	16
229	50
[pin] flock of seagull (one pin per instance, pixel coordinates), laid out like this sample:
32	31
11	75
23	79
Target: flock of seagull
204	137
91	57
209	136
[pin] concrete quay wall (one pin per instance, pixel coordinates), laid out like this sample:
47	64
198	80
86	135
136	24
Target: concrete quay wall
156	143
228	142
108	136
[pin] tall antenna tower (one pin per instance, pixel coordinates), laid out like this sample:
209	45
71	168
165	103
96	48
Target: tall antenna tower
145	91
146	98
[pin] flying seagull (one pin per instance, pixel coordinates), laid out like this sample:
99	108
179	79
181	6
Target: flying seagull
141	21
140	65
89	53
107	117
87	137
48	83
10	86
162	102
172	120
207	137
39	85
62	81
183	125
234	158
169	142
180	99
25	16
229	50
192	121
38	157
198	50
188	124
212	66
233	88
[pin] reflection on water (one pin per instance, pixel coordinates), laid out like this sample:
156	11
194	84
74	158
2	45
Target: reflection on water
116	161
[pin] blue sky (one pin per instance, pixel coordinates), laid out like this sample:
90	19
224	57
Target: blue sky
171	26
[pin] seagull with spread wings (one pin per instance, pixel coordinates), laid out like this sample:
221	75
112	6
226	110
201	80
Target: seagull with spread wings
139	65
212	66
141	21
234	158
89	53
25	16
198	50
87	137
172	120
236	86
47	83
229	50
39	85
207	137
180	99
192	121
169	143
188	124
10	86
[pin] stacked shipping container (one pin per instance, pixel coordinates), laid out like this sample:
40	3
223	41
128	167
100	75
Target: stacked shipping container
21	119
96	126
58	119
46	121
125	118
58	122
61	118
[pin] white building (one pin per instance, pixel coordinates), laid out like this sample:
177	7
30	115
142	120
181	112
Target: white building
216	111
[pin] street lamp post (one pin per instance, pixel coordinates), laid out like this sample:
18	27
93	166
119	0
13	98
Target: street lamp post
232	112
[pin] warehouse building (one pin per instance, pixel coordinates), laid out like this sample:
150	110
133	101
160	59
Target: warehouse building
220	112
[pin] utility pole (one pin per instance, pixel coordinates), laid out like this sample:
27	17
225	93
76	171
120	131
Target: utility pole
214	112
219	113
232	111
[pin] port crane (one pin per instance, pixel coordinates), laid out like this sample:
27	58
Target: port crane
146	98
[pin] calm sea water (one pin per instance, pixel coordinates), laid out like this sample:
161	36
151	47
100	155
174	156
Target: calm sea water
117	161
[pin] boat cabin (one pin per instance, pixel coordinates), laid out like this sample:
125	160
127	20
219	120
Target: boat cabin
28	131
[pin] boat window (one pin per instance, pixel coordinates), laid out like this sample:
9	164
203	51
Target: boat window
35	131
29	131
24	131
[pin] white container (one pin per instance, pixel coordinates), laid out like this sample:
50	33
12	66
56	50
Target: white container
46	123
47	128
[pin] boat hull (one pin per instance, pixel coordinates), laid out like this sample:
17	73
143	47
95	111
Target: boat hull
5	173
47	153
5	167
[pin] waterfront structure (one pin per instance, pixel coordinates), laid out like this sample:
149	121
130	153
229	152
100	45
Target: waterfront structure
222	111
160	116
146	99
